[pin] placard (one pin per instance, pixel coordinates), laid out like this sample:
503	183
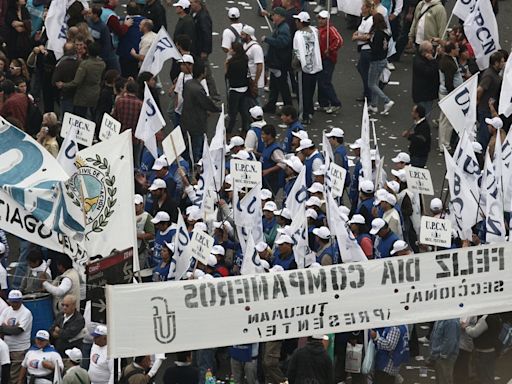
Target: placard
200	246
419	180
179	145
337	175
85	128
437	232
246	173
109	127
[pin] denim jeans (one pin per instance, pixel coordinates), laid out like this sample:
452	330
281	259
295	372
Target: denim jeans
363	67
238	104
326	93
376	68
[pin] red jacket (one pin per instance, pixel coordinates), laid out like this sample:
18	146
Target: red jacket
335	42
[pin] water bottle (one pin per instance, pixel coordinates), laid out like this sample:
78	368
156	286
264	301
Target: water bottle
208	376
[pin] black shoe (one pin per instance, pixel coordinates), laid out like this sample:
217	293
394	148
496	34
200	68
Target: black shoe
269	108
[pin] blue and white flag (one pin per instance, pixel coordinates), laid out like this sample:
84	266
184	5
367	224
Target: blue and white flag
56	27
248	216
181	260
218	151
150	122
161	50
68	151
296	200
303	254
366	159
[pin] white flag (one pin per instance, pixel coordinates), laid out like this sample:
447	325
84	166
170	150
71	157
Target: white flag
506	178
56	27
248	215
180	259
161	50
466	161
68	151
463	8
481	31
205	182
251	257
494	221
296	199
150	122
218	151
459	106
366	160
505	106
350	7
304	256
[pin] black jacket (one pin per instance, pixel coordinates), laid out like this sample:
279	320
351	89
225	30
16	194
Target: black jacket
236	74
311	365
70	330
196	104
420	139
185	26
425	79
156	13
279	54
203	33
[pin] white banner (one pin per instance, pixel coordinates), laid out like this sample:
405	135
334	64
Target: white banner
161	50
56	27
506	156
494	220
303	254
173	145
291	304
436	232
109	127
463	8
481	30
350	7
218	151
337	175
248	213
150	122
200	246
85	128
505	106
246	173
419	180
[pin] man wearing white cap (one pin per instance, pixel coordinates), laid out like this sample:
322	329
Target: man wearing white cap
308	58
101	368
293	167
256	58
253	140
232	33
186	66
495	125
360	230
162	199
366	200
269	222
336	139
387	203
436	207
327	253
75	374
313	159
165	232
384	238
401	160
185	24
353	192
283	255
145	228
40	361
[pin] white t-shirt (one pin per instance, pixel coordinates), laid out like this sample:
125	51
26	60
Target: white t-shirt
178	89
145	42
364	28
256	56
4	355
33	361
228	37
3	277
23	318
307	49
101	368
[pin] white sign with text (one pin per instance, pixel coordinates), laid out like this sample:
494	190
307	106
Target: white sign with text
85	128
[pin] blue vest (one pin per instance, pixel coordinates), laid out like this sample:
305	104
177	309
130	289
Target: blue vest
293	127
268	225
288	186
368	204
385	246
257	131
275	180
309	167
106	13
242	353
353	193
160	241
399	355
285	263
331	250
342	152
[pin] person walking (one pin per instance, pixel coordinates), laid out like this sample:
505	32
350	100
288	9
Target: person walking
392	345
444	348
425	77
362	37
419	137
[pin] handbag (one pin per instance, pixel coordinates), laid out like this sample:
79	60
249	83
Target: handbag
369	358
354	358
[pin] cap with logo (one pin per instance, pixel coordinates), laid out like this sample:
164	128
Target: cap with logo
15	295
100	330
161	216
43	335
303	17
270	206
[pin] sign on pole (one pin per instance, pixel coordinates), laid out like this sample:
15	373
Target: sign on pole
85	128
109	127
337	176
173	145
200	246
419	180
246	173
436	232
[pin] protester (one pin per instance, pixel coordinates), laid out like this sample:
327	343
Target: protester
75	374
67	330
101	368
419	137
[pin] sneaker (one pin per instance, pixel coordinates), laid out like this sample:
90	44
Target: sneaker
318	108
360	98
391	66
423	339
373	109
266	88
334	10
332	109
387	107
318	8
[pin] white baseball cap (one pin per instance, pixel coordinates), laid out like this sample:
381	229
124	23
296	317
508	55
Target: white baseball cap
284	239
310	212
400	174
356	144
218	250
170	246
300	134
393	185
270	206
366	186
402	157
248	30
294	163
357	219
477	147
324	14
496	122
194	214
235	141
43	335
100	330
303	17
305	143
256	111
233	13
314	201
15	295
157	184
285	212
335	132
316	188
182	3
322	232
436	205
160	216
201	226
241	155
160	163
138	199
212	260
377	225
265	194
74	354
261	246
320	171
398	246
187	59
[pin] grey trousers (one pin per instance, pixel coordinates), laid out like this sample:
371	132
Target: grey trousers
444	370
245	372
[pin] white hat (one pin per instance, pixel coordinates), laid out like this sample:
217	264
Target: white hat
276	268
310	212
323	14
218	250
211	261
200	226
198	274
344	210
402	157
265	194
320	171
235	141
256	111
390	198
43	335
15	295
248	30
315	265
322	232
357	219
100	330
75	355
316	188
335	132
303	17
314	201
477	147
228	179
270	206
261	246
285	212
383	195
182	3
496	122
294	163
284	239
356	144
400	174
158	184
241	155
138	199
436	204
170	246
160	216
393	185
305	143
377	225
233	13
300	134
160	163
194	214
2	248
187	59
398	246
366	186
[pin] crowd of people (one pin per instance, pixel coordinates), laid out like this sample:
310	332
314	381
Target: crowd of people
98	73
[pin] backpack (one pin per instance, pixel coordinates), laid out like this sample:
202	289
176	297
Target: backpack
238	38
34	118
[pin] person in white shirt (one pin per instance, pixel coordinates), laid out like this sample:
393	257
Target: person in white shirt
101	368
75	374
233	32
253	141
3	273
40	361
16	325
146	27
256	58
387	202
5	362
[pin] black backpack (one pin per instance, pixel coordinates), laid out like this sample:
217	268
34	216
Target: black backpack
238	38
34	118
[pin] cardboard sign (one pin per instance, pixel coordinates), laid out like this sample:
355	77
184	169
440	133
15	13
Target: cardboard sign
85	128
246	173
200	246
437	232
337	176
109	127
419	180
173	145
209	201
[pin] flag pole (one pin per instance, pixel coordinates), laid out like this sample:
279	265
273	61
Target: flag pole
266	17
174	149
329	6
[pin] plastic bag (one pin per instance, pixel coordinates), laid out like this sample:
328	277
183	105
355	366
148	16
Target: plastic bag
369	358
354	358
